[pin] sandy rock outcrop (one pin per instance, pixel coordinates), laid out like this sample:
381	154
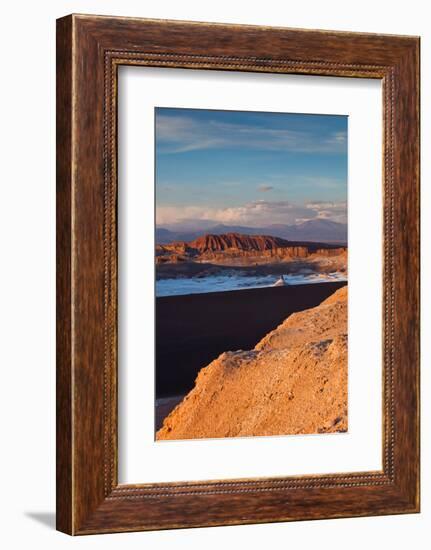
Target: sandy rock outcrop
293	382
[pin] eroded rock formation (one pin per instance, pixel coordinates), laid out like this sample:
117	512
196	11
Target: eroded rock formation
229	247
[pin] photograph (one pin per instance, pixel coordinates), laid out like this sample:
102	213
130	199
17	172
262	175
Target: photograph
214	235
251	273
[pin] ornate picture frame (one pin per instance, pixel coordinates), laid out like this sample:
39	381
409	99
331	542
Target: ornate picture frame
89	51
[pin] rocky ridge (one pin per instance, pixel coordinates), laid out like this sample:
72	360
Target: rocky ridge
232	246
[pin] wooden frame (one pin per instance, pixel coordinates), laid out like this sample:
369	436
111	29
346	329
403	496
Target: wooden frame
89	51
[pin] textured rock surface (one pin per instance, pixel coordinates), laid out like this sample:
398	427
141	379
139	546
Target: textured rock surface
231	246
293	382
237	241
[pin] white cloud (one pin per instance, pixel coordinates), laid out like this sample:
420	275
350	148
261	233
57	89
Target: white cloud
255	214
330	210
181	133
265	188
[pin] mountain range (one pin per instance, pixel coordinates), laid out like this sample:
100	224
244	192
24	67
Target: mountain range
318	230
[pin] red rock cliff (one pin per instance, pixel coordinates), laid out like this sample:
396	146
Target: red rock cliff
216	243
234	245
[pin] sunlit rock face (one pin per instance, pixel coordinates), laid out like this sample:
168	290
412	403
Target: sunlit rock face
293	382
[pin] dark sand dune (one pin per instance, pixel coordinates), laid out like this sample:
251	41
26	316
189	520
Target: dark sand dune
294	381
193	330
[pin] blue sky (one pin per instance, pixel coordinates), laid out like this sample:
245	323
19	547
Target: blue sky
249	168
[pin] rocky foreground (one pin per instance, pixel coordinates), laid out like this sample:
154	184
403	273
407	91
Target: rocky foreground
293	382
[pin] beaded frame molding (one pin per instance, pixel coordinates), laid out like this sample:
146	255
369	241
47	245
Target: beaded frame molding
89	51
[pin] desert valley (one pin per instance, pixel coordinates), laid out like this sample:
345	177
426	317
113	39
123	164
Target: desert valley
251	271
234	260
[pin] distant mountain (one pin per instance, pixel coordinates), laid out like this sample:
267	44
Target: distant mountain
165	236
312	230
317	230
244	230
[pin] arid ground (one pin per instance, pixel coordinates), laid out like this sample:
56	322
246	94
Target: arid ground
294	381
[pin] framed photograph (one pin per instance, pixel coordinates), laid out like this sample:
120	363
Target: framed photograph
237	274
